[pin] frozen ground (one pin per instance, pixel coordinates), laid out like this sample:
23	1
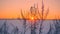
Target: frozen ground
48	26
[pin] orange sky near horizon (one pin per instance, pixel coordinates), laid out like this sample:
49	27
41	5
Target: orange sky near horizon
12	8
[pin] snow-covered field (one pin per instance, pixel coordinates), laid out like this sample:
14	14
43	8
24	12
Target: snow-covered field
18	27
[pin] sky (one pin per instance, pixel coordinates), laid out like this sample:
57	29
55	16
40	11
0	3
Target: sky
12	8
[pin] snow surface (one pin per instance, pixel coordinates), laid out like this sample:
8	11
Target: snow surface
46	26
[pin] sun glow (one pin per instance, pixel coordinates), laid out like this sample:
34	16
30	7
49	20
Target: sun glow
32	18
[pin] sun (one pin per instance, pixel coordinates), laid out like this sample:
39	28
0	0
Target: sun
32	18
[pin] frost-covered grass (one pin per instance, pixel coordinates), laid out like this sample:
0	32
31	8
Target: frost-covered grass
18	27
